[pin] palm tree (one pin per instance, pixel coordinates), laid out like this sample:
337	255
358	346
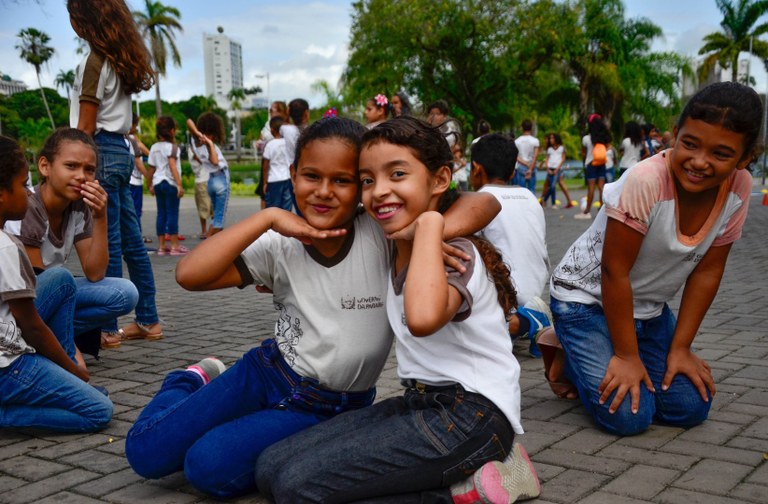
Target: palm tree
158	23
35	50
739	32
65	79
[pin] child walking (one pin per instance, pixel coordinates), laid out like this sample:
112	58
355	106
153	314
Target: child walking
595	169
554	162
208	133
327	350
669	222
41	384
165	160
117	66
67	210
276	170
461	408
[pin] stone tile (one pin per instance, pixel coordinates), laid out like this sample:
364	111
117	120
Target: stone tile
96	461
704	450
109	483
634	455
679	496
602	497
586	441
641	482
31	469
751	492
571	460
713	476
36	491
140	493
711	432
571	485
67	498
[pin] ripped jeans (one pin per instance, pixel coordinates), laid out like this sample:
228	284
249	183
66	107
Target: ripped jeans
404	449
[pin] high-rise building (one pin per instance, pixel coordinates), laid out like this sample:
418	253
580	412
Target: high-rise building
223	66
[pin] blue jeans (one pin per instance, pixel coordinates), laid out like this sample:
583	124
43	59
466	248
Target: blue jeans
401	450
218	190
167	198
280	194
35	392
137	193
123	232
96	303
552	180
519	178
216	432
583	333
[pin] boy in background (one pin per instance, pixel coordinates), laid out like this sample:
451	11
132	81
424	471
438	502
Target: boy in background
518	231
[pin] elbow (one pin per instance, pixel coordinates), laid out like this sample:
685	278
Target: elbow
93	277
423	325
186	278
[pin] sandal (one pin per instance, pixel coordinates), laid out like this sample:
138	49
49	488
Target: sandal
179	251
554	364
135	331
110	340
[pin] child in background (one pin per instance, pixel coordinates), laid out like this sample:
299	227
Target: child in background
165	160
328	350
277	171
528	152
207	134
67	210
518	231
461	408
298	112
117	66
669	222
633	149
555	161
202	199
401	104
460	167
598	134
376	111
41	385
139	173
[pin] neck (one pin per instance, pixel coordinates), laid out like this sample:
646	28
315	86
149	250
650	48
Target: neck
54	204
496	181
403	249
329	247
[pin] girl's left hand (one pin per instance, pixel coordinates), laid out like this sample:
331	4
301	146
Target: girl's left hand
683	361
95	197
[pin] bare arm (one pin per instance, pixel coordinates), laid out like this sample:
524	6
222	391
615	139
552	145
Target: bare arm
38	335
430	302
265	175
176	176
470	214
87	120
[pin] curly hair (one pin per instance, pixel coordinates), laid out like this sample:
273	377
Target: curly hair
109	29
12	161
211	125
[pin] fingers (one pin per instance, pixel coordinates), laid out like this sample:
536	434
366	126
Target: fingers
94	195
454	263
455	252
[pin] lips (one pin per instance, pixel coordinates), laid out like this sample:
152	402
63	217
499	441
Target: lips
386	211
321	209
694	176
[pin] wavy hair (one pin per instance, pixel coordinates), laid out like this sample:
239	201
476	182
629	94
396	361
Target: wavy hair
109	29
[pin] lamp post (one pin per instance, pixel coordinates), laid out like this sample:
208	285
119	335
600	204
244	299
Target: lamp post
266	75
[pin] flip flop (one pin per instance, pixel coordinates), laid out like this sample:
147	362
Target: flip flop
135	331
110	340
554	364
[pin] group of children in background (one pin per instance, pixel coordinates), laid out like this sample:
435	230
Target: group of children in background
295	418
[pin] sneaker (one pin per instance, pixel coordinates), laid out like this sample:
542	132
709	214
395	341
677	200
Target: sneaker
179	251
208	369
497	482
538	314
583	216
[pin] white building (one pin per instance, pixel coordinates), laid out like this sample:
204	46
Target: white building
223	66
9	86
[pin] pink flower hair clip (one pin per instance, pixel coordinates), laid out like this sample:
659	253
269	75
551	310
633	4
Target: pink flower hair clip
381	100
331	112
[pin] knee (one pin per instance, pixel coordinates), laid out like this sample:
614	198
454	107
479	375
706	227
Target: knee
145	457
213	474
98	415
127	296
60	278
623	422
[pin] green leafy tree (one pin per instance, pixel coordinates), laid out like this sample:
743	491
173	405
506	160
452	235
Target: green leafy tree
332	96
158	23
738	33
35	50
65	79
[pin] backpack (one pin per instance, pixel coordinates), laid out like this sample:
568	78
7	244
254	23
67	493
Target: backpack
599	154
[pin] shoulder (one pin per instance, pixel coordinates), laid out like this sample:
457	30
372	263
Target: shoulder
741	184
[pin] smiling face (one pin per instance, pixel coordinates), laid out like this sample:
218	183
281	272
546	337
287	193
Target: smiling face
326	183
705	155
396	186
73	165
373	113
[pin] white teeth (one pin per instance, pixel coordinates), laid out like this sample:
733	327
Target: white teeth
383	210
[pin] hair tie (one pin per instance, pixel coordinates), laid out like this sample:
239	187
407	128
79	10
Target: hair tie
381	100
331	112
594	116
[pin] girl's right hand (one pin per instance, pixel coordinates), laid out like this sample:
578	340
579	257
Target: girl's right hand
180	192
624	375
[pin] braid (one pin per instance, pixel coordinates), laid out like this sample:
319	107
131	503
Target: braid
498	273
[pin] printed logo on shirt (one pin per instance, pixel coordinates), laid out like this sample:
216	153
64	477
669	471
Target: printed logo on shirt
10	339
288	333
361	303
693	257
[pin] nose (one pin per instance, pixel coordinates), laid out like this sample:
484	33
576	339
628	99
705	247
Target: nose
324	189
699	161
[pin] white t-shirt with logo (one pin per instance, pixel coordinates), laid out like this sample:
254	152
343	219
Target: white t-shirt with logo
332	318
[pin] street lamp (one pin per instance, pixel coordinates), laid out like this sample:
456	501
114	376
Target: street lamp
266	75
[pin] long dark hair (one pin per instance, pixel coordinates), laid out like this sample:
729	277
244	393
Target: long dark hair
339	128
12	161
634	132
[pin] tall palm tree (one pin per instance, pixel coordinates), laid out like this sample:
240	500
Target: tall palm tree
158	23
35	50
65	79
739	31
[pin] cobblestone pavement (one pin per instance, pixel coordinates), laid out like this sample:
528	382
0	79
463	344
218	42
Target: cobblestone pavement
721	461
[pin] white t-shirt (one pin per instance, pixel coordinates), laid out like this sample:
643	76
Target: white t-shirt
35	230
610	157
586	141
96	82
205	158
290	133
17	281
519	232
332	323
279	167
555	156
159	155
201	174
526	144
645	199
474	349
631	153
137	179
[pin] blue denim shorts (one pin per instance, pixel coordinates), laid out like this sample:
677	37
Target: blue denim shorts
595	172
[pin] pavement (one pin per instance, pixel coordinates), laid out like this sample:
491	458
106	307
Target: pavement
720	461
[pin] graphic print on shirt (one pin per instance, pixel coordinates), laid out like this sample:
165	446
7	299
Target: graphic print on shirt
288	333
582	269
10	339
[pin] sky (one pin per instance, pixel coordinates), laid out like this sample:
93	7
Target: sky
295	42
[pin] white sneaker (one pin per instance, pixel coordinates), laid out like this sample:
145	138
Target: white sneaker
208	369
497	482
583	216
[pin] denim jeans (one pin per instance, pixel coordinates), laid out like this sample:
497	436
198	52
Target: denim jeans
401	450
35	392
216	432
280	194
123	233
519	178
583	333
218	190
168	201
137	193
551	193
